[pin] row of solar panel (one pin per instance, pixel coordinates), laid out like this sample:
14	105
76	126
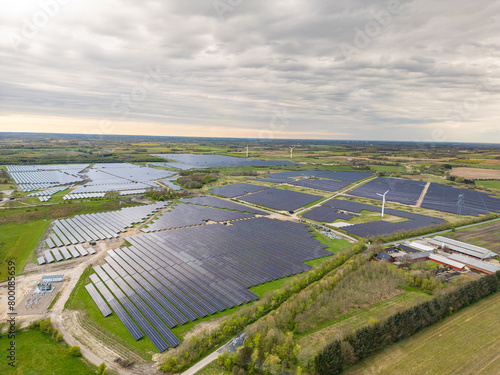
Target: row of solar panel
67	253
184	215
99	226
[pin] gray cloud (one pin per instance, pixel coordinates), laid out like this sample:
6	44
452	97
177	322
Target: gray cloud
429	65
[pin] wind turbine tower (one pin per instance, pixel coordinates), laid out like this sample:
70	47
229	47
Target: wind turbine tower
291	151
383	201
247	151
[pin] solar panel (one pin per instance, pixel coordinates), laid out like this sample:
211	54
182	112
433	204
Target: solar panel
48	256
57	255
73	251
41	260
81	250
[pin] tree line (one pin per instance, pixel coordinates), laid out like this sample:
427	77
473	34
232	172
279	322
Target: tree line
352	349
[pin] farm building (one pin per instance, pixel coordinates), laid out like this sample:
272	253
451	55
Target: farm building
475	264
385	256
462	248
419	256
420	247
408	249
457	266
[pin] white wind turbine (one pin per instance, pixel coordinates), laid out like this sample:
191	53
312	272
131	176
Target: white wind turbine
247	151
383	201
291	151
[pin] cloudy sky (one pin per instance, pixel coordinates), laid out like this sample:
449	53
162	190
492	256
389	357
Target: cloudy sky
419	70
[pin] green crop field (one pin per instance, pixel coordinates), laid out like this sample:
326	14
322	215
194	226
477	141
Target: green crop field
464	343
38	353
492	184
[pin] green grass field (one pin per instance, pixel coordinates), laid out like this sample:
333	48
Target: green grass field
38	353
492	184
17	242
388	168
464	343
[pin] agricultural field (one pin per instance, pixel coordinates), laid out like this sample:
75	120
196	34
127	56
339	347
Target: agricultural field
476	173
491	184
465	343
487	235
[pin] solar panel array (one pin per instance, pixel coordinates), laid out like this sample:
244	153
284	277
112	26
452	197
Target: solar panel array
49	192
129	192
236	190
326	185
326	214
36	177
221	203
321	180
279	199
63	253
180	166
83	195
208	161
100	226
169	182
400	190
184	215
376	228
120	177
170	278
445	198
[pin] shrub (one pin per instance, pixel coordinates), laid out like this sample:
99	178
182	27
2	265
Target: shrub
75	351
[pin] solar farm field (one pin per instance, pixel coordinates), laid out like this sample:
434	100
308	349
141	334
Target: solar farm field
445	198
337	209
281	200
187	274
464	343
184	215
399	190
187	161
232	191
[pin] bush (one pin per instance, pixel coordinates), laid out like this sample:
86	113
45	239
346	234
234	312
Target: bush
59	337
75	351
101	368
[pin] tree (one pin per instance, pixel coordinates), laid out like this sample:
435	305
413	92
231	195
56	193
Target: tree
75	351
101	368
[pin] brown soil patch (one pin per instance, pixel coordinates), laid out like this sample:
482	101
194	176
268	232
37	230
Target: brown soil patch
476	173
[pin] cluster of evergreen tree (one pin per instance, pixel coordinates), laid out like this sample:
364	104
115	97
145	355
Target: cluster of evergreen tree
345	352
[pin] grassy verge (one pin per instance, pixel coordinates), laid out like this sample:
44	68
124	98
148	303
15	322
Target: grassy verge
464	343
38	353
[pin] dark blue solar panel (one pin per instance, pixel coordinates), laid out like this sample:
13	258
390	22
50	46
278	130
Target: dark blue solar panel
281	200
